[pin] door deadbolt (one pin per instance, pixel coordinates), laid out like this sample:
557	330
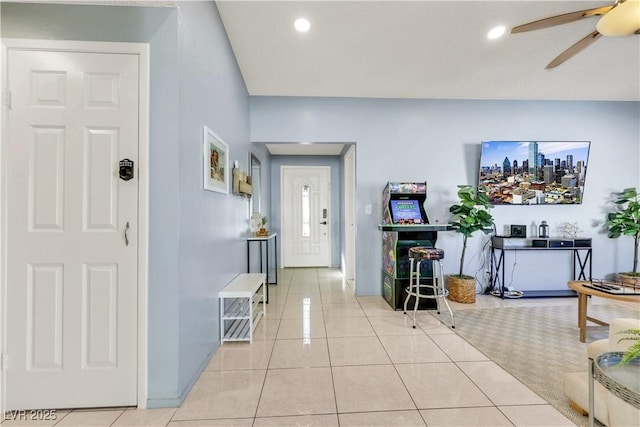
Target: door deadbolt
126	169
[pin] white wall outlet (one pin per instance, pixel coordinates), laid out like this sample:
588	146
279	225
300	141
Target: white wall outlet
367	209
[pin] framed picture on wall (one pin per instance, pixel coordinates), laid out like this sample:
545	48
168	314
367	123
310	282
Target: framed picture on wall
534	172
216	162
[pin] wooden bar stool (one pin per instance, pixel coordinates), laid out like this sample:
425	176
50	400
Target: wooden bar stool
416	256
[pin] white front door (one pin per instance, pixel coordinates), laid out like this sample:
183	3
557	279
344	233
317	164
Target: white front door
306	223
72	244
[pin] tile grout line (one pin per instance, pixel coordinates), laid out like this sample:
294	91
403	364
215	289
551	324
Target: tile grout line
266	374
398	374
333	382
462	370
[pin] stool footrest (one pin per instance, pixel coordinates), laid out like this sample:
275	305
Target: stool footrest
438	293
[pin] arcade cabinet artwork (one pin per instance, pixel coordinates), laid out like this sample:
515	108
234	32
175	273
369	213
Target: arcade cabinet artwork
405	224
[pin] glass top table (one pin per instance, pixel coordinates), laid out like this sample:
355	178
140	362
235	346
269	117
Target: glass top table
622	381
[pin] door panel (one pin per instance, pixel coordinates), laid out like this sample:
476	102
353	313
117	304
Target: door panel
44	317
46	180
306	225
101	204
71	239
99	335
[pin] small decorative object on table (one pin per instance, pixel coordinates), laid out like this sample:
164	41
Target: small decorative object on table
543	230
570	230
262	231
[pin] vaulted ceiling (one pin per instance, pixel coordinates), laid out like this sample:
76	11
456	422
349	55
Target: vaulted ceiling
426	49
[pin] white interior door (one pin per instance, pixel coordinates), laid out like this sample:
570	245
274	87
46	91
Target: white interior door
306	223
350	214
71	323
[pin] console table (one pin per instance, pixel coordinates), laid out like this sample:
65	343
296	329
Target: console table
263	243
581	260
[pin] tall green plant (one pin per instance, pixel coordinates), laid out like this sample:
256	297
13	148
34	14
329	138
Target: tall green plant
471	214
626	220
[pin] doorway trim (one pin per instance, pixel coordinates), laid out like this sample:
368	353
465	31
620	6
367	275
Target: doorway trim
142	51
350	225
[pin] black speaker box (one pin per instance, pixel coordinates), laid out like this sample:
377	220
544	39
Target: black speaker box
539	243
582	243
560	243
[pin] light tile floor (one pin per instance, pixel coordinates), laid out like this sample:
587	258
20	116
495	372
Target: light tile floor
322	357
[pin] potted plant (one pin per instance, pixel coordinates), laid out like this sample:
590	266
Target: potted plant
471	214
626	221
634	350
263	227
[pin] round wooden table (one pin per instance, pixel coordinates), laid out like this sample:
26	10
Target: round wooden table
583	293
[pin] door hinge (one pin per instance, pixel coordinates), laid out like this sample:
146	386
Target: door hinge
5	362
6	98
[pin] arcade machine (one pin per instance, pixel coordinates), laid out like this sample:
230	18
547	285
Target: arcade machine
405	224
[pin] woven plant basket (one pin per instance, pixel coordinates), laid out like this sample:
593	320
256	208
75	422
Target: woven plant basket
462	290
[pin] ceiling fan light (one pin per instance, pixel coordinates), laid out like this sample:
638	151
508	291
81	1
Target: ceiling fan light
496	32
622	20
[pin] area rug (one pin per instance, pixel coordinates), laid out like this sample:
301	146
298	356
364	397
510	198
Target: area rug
537	344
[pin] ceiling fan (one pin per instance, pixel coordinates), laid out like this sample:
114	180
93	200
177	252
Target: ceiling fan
621	18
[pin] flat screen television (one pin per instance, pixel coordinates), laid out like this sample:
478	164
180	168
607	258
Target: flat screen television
534	172
406	212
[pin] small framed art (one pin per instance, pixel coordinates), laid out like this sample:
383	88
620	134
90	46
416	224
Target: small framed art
216	162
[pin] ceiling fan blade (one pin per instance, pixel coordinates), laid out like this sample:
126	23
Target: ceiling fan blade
561	19
573	50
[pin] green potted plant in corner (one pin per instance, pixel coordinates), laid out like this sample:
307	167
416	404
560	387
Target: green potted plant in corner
470	214
626	221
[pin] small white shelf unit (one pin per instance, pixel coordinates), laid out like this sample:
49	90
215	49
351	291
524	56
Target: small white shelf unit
242	306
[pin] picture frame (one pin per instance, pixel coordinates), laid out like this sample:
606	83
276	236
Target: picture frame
216	162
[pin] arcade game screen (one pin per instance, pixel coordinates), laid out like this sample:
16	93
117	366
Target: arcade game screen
406	212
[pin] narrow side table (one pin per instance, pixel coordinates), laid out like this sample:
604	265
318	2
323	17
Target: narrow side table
264	247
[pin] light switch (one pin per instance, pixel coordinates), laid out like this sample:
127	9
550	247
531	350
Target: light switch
367	209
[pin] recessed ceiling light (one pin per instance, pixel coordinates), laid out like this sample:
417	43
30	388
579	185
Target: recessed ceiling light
302	25
496	32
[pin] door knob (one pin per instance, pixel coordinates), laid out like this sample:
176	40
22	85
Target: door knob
324	223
